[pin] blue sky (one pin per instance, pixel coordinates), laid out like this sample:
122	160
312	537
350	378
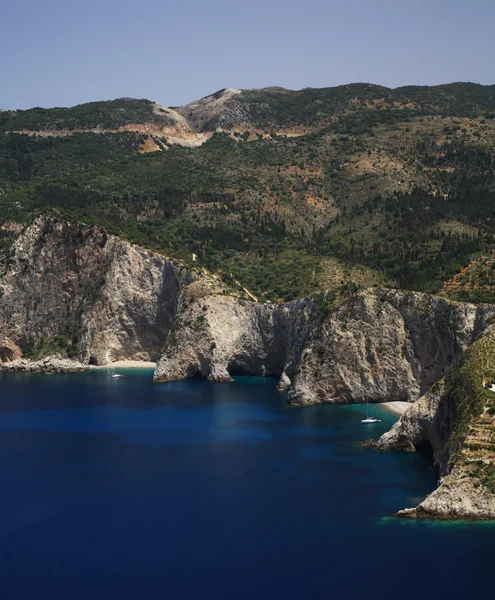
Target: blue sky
62	52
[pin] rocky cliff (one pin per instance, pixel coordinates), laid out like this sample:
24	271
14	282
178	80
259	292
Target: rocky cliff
110	300
456	419
92	296
216	336
380	344
107	299
385	345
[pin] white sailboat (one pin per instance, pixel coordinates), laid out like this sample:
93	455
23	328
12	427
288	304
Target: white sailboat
368	418
115	375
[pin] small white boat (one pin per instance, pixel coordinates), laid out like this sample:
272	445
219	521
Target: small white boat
368	418
115	375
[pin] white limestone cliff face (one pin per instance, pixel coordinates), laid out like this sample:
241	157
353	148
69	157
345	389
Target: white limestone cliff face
458	496
385	345
216	335
113	300
116	301
380	345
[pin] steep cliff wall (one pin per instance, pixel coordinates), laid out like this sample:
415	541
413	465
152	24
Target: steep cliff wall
111	300
216	336
385	345
380	345
456	418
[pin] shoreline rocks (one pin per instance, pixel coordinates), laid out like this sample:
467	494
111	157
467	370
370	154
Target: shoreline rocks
71	287
49	364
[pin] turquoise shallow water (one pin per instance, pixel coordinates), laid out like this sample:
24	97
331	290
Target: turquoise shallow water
129	489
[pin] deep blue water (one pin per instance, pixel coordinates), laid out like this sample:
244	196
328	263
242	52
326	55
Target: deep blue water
128	489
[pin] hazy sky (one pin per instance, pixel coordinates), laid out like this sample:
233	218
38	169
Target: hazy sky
65	52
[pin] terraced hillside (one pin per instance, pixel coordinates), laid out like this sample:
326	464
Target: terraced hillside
285	192
476	280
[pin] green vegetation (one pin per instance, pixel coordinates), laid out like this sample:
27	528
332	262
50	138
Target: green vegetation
56	345
472	441
312	106
105	115
476	281
399	183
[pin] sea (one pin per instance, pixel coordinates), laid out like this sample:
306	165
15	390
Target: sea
125	489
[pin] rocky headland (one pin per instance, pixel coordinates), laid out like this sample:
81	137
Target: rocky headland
49	364
456	420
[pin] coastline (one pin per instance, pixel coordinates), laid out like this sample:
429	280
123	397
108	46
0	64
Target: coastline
54	364
125	364
398	408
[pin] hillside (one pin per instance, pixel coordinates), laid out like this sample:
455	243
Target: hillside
282	192
476	280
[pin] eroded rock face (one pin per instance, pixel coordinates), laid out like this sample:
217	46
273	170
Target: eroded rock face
420	426
385	345
284	383
458	496
216	336
115	301
454	419
111	299
380	345
49	364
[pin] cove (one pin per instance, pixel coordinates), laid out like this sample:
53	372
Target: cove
128	489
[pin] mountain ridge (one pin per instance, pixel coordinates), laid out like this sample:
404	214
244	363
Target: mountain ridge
484	100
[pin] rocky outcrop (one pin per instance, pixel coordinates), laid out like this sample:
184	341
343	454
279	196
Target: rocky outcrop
216	336
49	364
109	299
458	496
379	345
385	345
284	383
421	426
456	419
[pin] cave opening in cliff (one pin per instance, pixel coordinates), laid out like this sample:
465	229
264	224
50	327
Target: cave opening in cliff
426	448
239	371
93	361
6	354
242	370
